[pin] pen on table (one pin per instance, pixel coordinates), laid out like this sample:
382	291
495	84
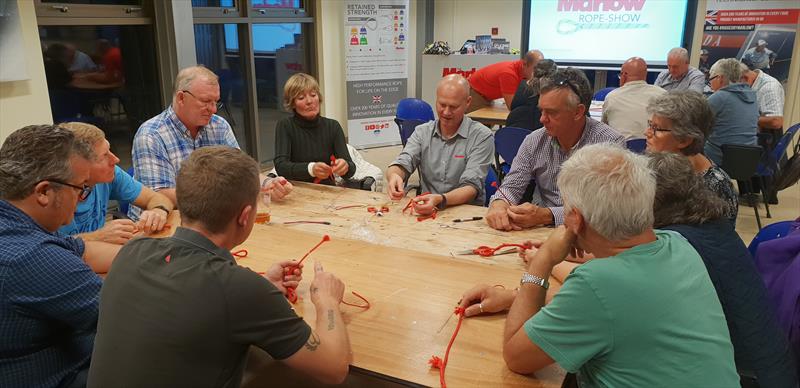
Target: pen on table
476	218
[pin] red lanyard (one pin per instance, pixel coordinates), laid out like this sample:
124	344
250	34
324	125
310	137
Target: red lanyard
437	362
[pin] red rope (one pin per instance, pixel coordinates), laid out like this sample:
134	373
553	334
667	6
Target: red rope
365	306
333	162
437	362
291	293
307	222
410	203
485	251
241	253
494	184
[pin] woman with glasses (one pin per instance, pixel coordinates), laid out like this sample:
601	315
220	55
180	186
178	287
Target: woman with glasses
734	106
309	147
679	122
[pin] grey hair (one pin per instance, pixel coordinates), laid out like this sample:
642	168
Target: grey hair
728	68
690	114
679	52
545	68
682	196
574	76
187	76
612	188
36	153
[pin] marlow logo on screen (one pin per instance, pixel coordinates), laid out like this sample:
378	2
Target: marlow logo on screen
599	5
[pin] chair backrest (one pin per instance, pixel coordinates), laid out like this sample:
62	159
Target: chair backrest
778	152
507	141
602	93
740	161
636	145
491	185
406	128
769	232
414	109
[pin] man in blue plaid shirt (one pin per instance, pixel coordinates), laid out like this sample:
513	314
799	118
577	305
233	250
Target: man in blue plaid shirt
166	140
50	296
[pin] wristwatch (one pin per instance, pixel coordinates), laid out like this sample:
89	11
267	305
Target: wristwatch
533	279
162	208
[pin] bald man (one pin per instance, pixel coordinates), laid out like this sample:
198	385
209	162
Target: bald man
501	80
625	108
452	153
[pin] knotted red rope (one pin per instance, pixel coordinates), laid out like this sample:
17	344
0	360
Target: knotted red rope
410	203
291	293
333	162
437	362
485	251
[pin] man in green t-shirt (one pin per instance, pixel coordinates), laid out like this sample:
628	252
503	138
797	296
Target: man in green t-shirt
642	313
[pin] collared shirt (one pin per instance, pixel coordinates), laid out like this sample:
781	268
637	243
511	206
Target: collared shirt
625	108
759	59
769	93
693	80
445	165
90	214
162	143
179	312
48	304
540	158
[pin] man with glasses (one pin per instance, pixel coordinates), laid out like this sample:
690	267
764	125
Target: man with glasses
49	304
624	109
109	181
564	102
166	140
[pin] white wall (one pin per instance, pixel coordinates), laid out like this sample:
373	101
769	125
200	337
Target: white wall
455	21
26	102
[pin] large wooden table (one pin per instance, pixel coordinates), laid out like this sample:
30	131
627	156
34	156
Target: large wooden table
490	115
407	272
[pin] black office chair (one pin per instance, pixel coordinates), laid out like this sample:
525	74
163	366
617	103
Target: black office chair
741	162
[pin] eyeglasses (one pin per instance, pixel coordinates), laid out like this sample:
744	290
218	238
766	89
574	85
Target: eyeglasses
218	104
563	81
84	191
656	129
711	79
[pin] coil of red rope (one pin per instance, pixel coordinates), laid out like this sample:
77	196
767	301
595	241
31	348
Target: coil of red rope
437	362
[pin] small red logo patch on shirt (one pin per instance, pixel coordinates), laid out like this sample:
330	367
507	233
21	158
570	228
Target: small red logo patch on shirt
459	156
168	258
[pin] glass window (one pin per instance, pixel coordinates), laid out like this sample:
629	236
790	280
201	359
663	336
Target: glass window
280	51
103	75
214	3
96	2
217	49
276	4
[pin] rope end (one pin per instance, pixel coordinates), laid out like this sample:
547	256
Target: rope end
435	362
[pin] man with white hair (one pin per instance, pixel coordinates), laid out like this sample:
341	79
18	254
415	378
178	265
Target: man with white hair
761	57
735	109
642	313
679	75
166	140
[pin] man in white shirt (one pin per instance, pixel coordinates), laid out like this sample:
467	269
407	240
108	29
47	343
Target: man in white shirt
624	108
769	94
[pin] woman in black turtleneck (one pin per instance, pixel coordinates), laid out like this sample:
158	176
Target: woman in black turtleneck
305	141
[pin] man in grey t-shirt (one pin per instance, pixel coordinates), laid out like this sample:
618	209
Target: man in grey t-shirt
452	153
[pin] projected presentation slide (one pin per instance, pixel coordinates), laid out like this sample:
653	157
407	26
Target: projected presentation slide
606	31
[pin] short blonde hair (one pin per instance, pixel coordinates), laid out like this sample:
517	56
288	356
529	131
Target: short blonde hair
188	75
297	85
86	135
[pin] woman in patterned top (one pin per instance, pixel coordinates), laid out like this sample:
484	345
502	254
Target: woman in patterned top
680	122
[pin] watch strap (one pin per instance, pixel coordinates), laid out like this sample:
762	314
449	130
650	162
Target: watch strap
533	279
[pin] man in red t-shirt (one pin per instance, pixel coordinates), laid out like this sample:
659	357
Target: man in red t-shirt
111	61
501	80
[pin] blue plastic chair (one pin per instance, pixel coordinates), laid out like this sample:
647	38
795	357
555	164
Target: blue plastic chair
411	112
123	206
602	93
507	141
769	232
636	145
769	167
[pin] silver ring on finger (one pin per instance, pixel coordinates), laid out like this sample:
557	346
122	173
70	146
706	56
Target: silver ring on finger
480	307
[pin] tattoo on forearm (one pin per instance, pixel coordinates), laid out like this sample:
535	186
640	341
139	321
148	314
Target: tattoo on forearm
331	320
313	342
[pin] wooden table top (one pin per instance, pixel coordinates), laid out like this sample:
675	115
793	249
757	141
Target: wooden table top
490	115
407	272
